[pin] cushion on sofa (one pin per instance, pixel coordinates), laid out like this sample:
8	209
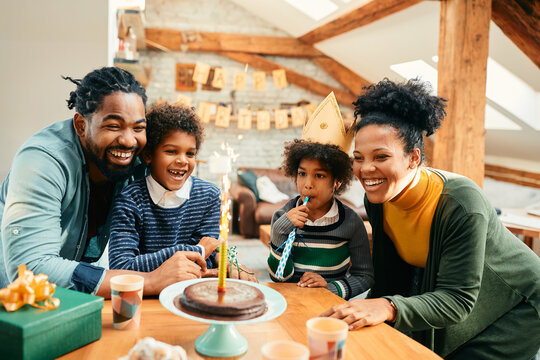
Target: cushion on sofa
354	193
268	191
248	179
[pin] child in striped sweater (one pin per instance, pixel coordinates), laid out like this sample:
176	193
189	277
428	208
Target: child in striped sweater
331	247
169	210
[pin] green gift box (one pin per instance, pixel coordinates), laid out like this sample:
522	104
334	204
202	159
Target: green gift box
32	333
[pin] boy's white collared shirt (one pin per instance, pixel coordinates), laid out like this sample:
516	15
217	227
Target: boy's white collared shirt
166	198
327	219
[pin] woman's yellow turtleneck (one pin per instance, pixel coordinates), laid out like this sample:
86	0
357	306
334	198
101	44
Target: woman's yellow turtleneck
407	219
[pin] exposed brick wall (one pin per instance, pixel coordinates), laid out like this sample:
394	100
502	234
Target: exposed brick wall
256	148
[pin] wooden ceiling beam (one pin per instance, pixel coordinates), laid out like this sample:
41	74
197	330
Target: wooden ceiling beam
515	176
343	97
520	22
365	14
346	77
177	40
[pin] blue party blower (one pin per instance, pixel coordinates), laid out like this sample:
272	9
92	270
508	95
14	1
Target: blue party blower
287	250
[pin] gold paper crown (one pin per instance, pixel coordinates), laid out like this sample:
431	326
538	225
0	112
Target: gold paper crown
326	126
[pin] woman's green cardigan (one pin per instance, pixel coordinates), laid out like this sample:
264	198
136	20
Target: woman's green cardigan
476	270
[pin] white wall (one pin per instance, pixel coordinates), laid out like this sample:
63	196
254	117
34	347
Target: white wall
39	41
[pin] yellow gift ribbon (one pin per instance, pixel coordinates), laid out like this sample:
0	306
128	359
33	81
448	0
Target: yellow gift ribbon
29	289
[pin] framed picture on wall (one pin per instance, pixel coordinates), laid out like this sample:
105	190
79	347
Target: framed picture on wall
184	77
208	86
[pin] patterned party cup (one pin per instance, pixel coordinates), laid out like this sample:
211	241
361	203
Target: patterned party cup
326	337
126	299
284	350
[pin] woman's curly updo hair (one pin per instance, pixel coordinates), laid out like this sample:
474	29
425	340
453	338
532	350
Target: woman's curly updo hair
338	163
163	118
91	90
408	107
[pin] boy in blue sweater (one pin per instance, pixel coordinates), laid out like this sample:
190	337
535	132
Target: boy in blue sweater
169	210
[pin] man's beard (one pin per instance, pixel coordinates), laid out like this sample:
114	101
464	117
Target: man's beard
112	172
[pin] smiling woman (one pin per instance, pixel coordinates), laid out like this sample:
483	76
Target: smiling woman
447	271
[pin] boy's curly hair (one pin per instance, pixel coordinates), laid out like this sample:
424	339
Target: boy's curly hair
408	107
338	163
163	118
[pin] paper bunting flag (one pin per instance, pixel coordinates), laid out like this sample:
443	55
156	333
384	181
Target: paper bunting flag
204	110
244	119
184	77
200	74
263	120
239	82
298	116
220	78
259	80
223	116
281	118
310	109
183	100
280	78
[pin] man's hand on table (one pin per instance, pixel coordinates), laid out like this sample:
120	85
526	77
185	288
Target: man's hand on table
183	265
363	312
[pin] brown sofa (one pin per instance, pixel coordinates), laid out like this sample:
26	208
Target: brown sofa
248	214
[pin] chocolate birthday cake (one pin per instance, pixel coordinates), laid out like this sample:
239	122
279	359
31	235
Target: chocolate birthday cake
239	301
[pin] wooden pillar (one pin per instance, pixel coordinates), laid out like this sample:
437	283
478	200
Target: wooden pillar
459	144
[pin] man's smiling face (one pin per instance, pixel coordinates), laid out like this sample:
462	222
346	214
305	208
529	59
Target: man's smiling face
113	136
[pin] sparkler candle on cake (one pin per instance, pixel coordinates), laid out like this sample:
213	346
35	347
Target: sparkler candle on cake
224	233
220	164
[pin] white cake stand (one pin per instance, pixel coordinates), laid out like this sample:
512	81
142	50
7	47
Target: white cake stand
222	339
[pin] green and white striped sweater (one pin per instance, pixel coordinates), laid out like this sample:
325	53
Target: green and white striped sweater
339	252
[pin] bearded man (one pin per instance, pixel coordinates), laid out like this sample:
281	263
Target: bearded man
55	201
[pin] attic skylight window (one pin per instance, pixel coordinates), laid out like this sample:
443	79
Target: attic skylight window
315	9
417	68
510	93
513	94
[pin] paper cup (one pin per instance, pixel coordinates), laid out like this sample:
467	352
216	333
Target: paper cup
126	299
326	337
284	350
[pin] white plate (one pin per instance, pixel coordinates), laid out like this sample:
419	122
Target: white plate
274	300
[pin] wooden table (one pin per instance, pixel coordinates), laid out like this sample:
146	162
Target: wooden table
528	233
264	234
377	342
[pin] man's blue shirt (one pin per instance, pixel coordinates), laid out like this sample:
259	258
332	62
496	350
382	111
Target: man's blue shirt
44	211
